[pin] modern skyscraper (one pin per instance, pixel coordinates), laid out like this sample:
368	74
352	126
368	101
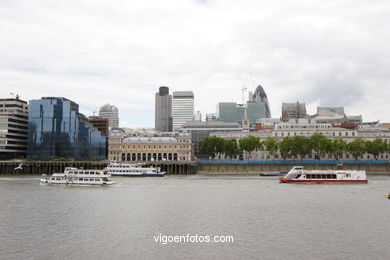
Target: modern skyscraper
57	129
182	108
13	128
111	113
163	110
261	97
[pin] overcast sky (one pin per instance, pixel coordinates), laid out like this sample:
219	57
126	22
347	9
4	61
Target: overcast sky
330	53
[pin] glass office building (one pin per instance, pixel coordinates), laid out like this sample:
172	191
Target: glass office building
231	112
57	129
257	107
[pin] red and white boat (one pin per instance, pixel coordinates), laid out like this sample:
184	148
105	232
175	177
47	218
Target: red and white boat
298	175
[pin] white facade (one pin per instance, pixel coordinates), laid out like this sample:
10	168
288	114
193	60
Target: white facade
182	108
110	112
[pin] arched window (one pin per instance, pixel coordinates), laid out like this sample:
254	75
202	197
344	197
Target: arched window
138	156
154	156
128	157
143	156
175	156
149	156
165	156
123	156
133	158
170	156
159	157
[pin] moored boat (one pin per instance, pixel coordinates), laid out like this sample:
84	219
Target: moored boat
133	170
75	176
298	175
273	174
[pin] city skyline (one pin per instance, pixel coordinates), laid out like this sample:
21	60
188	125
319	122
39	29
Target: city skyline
322	54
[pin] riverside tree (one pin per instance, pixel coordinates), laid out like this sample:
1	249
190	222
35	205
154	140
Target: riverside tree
376	147
338	147
357	148
250	143
231	148
271	145
211	146
320	144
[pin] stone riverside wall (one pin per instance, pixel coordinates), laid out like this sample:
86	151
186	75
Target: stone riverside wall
49	167
204	168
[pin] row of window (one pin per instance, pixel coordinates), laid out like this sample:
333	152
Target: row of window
150	147
283	134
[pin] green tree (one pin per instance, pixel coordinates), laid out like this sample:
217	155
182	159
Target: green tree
285	147
300	146
376	147
211	146
271	145
338	147
249	143
320	144
357	147
231	148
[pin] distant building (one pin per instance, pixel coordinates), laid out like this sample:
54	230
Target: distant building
13	128
163	110
57	129
293	111
197	116
177	147
266	123
201	130
110	112
100	123
231	112
211	117
182	108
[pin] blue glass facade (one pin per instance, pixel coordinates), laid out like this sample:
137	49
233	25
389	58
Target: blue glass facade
57	129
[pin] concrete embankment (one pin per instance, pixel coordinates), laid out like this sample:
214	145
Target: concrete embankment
255	169
49	167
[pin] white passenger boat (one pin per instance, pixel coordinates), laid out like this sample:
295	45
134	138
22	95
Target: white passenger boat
133	170
298	175
75	176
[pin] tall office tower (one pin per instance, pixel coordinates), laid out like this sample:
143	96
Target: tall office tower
13	128
293	111
57	129
163	110
110	112
182	108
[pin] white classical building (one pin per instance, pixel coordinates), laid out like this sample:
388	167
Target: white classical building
307	128
177	147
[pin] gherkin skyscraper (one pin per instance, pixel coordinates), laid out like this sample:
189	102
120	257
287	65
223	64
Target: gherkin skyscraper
260	96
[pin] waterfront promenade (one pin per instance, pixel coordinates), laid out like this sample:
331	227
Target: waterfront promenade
201	166
49	167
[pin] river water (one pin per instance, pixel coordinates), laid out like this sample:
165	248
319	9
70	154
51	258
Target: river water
267	219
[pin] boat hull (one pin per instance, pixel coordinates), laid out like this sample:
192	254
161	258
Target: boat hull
287	180
137	175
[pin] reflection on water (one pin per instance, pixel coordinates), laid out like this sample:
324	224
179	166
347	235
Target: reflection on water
267	219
